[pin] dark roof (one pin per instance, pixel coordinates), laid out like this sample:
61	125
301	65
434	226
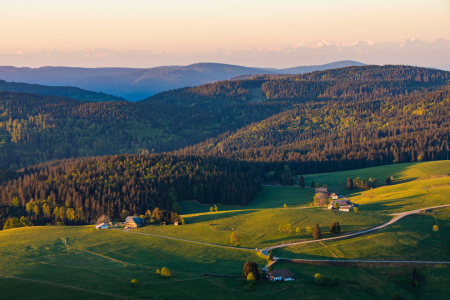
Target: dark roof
136	220
285	273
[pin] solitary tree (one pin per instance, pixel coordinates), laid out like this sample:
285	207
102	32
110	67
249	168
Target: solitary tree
134	282
216	208
235	239
285	205
280	228
356	209
301	181
318	278
349	183
182	221
435	228
312	184
317	234
270	255
338	228
298	230
309	230
388	180
211	209
251	267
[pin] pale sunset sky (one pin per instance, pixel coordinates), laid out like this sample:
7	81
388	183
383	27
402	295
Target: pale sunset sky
185	27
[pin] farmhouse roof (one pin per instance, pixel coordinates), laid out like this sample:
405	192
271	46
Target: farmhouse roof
321	190
134	219
285	273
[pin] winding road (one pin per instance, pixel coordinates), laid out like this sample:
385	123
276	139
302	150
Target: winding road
265	251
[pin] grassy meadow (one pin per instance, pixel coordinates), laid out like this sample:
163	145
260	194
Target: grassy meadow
79	262
411	238
400	172
259	228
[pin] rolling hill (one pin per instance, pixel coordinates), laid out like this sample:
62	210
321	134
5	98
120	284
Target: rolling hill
66	91
136	84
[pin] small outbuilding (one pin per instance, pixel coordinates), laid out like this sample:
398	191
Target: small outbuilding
281	275
101	226
134	222
175	223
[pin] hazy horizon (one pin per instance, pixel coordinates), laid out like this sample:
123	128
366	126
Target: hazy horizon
138	33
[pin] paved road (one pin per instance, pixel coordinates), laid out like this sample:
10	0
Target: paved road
397	218
265	251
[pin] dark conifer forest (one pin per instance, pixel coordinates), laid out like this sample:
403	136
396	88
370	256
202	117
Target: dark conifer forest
71	161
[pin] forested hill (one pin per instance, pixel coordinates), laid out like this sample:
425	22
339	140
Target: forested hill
351	83
66	91
35	128
326	136
78	191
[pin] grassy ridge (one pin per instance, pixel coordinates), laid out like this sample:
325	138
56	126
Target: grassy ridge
400	172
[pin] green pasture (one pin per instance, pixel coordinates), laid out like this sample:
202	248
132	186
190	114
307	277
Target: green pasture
401	173
269	197
107	260
404	196
365	283
411	238
258	228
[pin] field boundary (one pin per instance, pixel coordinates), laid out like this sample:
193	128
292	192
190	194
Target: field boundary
363	263
77	289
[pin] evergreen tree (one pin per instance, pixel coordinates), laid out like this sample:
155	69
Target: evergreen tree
301	182
338	228
349	183
270	255
312	184
333	228
317	234
388	180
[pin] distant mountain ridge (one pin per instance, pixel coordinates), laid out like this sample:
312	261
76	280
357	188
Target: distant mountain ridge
66	91
137	84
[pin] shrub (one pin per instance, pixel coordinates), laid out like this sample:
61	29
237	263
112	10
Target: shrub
182	222
158	272
251	277
134	282
285	205
309	230
355	209
336	280
298	230
165	272
318	278
435	228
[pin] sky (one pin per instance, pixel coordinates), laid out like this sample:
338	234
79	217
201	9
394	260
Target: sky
190	27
